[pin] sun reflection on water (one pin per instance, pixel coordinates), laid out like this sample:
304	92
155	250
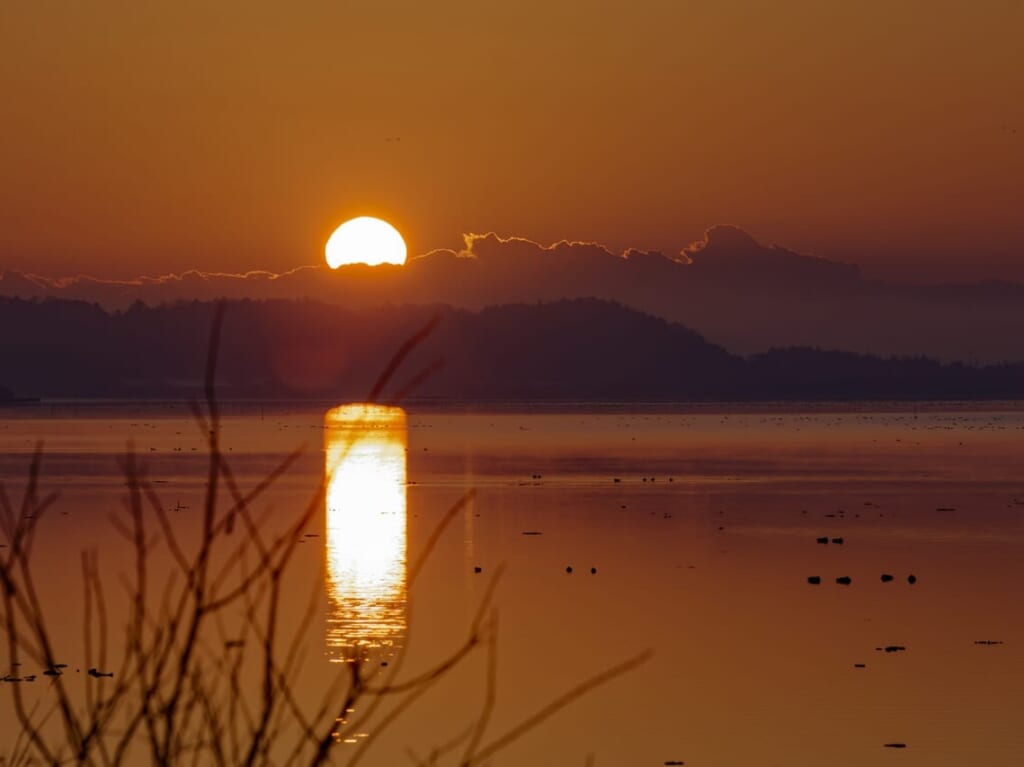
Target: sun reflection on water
365	472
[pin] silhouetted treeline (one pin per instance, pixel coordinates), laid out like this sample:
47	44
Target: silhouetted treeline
582	349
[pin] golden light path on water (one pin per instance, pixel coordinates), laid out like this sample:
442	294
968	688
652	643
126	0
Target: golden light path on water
365	474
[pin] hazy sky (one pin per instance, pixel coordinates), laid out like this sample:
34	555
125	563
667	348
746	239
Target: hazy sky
146	137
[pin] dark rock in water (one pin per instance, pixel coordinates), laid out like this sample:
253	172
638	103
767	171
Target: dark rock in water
886	577
911	579
822	540
860	665
837	540
895	745
814	579
895	648
844	580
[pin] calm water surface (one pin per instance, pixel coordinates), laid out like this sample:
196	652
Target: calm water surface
702	529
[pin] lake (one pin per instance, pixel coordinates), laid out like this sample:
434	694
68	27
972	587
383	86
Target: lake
691	533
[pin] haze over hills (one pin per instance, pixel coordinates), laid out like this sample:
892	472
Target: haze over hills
741	294
582	349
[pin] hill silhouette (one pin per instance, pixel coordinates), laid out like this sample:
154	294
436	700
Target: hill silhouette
734	290
582	349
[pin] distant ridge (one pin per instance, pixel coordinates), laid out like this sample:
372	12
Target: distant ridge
582	349
734	290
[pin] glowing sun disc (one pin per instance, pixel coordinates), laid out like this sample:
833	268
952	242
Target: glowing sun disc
365	240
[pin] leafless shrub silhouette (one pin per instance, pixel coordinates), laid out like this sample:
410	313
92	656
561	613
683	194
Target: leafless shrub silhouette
204	665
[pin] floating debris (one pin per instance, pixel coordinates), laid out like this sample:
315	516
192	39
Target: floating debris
945	508
569	569
531	532
837	540
98	674
988	641
814	580
822	540
478	569
593	571
860	665
911	579
886	577
895	648
895	745
844	580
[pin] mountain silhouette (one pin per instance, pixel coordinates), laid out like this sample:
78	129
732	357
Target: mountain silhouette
581	349
735	291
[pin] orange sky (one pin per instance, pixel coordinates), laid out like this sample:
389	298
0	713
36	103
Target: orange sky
151	137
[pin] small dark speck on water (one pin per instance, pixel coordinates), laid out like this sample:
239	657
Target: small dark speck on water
569	569
895	745
593	571
860	665
911	579
844	580
478	569
886	577
814	579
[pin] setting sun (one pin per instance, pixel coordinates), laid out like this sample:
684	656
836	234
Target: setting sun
365	240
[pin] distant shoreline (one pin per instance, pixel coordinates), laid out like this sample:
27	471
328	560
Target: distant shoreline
166	407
